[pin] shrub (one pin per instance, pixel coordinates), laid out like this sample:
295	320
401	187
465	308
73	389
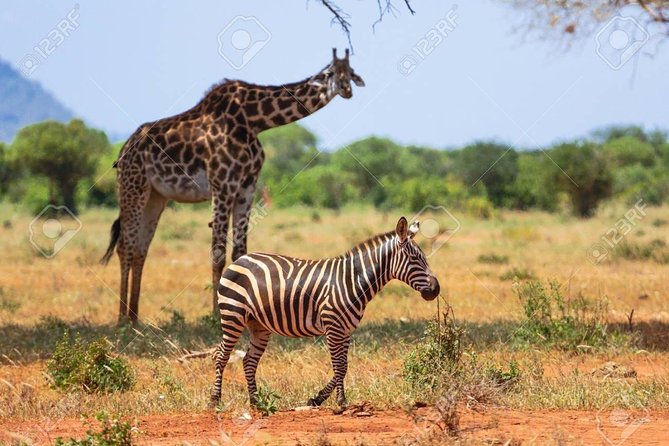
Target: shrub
113	433
493	258
654	250
551	320
437	353
266	400
91	367
503	377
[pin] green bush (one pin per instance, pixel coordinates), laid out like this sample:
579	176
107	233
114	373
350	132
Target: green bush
266	400
553	321
89	367
112	433
502	377
438	353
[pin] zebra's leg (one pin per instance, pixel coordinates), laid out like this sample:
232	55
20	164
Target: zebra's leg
231	335
259	337
338	346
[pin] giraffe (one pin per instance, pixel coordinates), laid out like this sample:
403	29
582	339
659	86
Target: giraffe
209	152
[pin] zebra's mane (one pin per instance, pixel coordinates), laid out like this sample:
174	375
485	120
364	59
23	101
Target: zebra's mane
372	240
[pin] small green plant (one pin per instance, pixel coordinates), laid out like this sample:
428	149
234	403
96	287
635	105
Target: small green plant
436	354
493	259
113	432
551	320
518	274
503	377
266	400
659	222
91	367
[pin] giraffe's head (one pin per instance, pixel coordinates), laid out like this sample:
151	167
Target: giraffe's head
409	263
339	75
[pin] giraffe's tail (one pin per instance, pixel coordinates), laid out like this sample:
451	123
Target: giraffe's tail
115	233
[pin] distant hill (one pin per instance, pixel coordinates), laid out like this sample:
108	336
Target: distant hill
23	102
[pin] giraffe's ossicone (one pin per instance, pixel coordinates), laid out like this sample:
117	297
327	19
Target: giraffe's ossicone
210	152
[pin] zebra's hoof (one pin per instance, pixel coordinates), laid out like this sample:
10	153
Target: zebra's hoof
314	402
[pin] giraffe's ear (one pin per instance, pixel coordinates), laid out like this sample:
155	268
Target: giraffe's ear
357	80
413	229
401	230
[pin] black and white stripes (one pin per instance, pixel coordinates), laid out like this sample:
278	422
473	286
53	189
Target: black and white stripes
268	293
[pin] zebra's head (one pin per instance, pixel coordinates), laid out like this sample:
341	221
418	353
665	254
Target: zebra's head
410	265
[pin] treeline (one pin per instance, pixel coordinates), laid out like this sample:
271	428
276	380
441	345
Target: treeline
619	163
71	164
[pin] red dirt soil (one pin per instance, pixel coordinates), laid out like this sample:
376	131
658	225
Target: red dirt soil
493	426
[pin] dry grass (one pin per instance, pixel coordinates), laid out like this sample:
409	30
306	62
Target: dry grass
74	289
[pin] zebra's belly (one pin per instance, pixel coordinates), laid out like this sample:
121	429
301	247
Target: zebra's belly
291	329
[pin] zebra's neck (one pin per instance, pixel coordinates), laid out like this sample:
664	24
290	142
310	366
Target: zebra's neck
364	271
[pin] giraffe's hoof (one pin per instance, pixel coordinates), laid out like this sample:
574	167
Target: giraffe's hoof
314	402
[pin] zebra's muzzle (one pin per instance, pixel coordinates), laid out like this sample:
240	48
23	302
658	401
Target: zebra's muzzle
431	291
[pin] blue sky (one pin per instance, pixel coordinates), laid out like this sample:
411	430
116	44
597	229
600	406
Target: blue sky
129	62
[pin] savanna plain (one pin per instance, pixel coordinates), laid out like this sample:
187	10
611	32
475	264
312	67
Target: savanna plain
543	334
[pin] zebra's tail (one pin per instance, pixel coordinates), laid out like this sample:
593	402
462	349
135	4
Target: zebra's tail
115	233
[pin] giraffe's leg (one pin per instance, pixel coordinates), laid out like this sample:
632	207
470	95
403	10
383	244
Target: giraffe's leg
338	346
125	260
222	205
242	215
259	337
151	215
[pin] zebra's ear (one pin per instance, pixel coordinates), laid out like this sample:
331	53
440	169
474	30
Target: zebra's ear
413	229
402	230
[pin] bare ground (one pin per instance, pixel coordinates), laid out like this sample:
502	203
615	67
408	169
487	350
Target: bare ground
491	426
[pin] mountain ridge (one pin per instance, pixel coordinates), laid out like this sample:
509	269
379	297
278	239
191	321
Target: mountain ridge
24	101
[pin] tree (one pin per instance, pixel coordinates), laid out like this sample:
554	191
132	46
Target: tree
493	165
576	17
369	162
582	172
532	188
629	150
341	17
5	170
288	149
62	153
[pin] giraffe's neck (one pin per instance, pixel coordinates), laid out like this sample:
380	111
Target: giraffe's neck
275	106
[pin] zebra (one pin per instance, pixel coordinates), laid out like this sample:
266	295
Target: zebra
268	293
